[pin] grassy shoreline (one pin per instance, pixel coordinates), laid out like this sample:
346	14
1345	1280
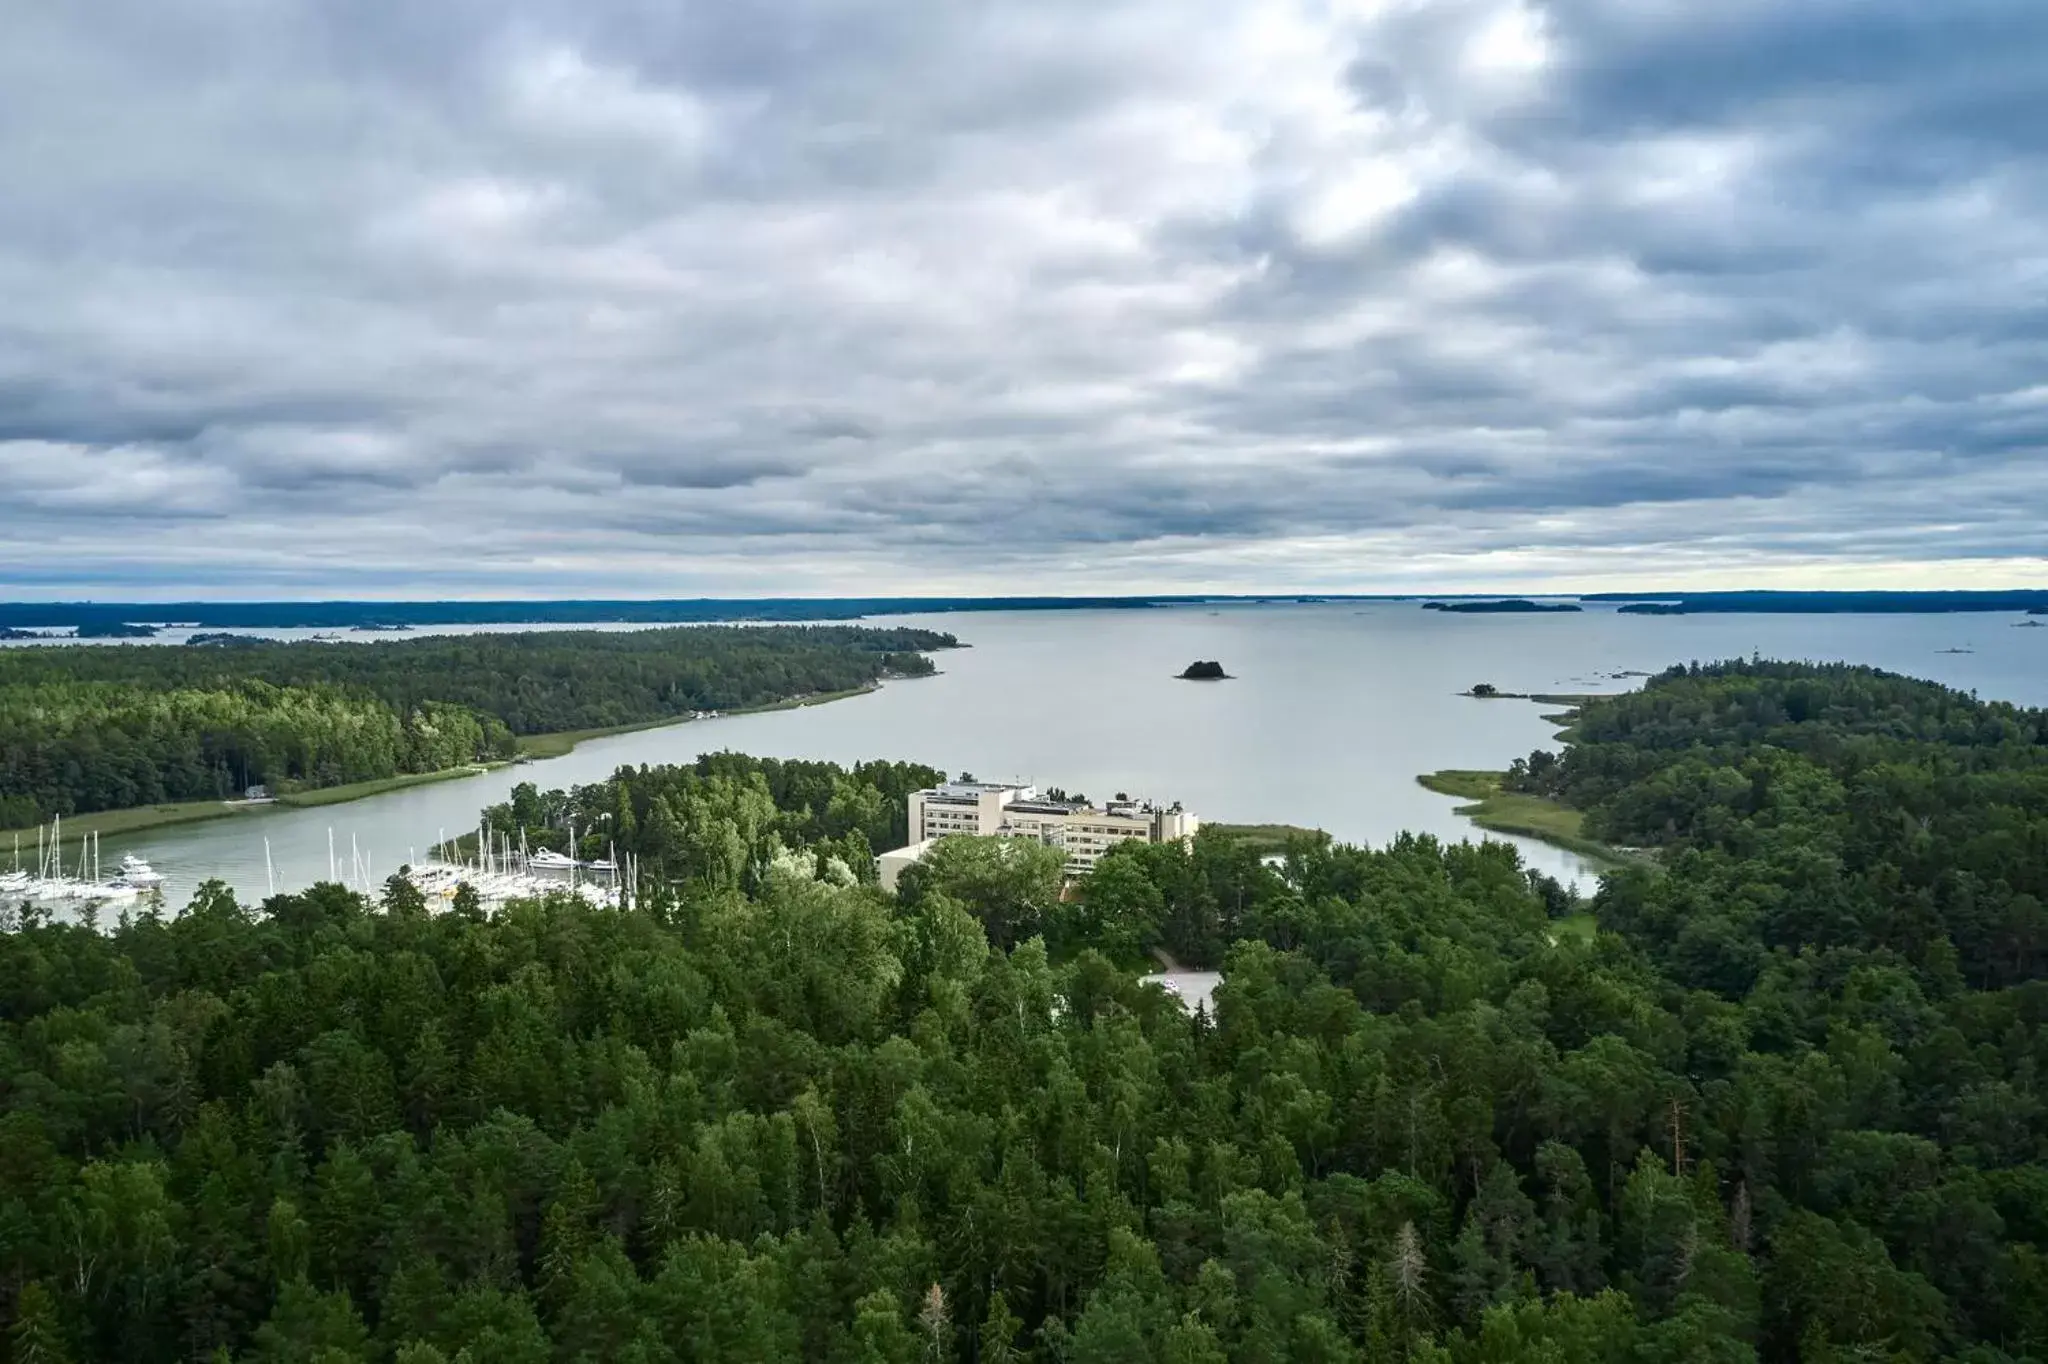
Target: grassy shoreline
1265	838
1509	812
557	744
140	818
814	699
357	790
135	819
564	741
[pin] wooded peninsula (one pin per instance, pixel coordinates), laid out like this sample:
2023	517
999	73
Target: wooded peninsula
1772	1095
86	728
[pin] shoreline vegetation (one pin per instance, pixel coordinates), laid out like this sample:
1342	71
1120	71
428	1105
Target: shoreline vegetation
543	746
1265	839
105	728
1512	606
531	747
1570	701
1509	812
1820	603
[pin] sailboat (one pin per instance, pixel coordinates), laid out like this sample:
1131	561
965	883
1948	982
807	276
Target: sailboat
92	888
14	880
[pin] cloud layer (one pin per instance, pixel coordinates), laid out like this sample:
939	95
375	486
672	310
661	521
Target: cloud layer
821	296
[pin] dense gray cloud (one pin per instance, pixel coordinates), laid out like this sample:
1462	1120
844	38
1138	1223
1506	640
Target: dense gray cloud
1034	295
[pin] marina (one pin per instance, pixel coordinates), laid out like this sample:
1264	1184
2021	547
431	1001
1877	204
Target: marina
51	883
495	875
500	872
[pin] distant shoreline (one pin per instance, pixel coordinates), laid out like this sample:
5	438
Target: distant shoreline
381	617
2030	600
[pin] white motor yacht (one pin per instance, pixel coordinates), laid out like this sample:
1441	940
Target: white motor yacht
138	873
547	859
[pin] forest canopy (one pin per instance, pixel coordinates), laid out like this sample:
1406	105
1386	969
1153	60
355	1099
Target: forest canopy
725	819
94	728
1783	1106
1798	804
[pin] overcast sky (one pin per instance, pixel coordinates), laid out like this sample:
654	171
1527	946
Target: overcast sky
828	297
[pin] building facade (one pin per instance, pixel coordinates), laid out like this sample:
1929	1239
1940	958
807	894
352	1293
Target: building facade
890	866
1011	810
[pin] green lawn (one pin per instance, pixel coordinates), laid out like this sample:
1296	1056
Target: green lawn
1507	812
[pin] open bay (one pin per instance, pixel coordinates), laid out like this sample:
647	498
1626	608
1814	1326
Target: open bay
1332	710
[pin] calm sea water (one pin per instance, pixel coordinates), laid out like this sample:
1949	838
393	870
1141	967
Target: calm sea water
1333	710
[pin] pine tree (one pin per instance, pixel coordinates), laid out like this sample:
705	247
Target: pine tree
999	1331
37	1336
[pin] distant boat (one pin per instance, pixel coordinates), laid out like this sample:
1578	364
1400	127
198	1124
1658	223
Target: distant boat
547	859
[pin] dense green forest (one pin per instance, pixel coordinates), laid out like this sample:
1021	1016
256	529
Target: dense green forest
726	818
1800	804
1785	1107
95	728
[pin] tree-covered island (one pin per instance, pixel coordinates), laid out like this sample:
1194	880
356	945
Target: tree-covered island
86	729
1512	606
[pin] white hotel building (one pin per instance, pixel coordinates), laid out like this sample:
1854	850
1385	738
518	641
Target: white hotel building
1010	810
